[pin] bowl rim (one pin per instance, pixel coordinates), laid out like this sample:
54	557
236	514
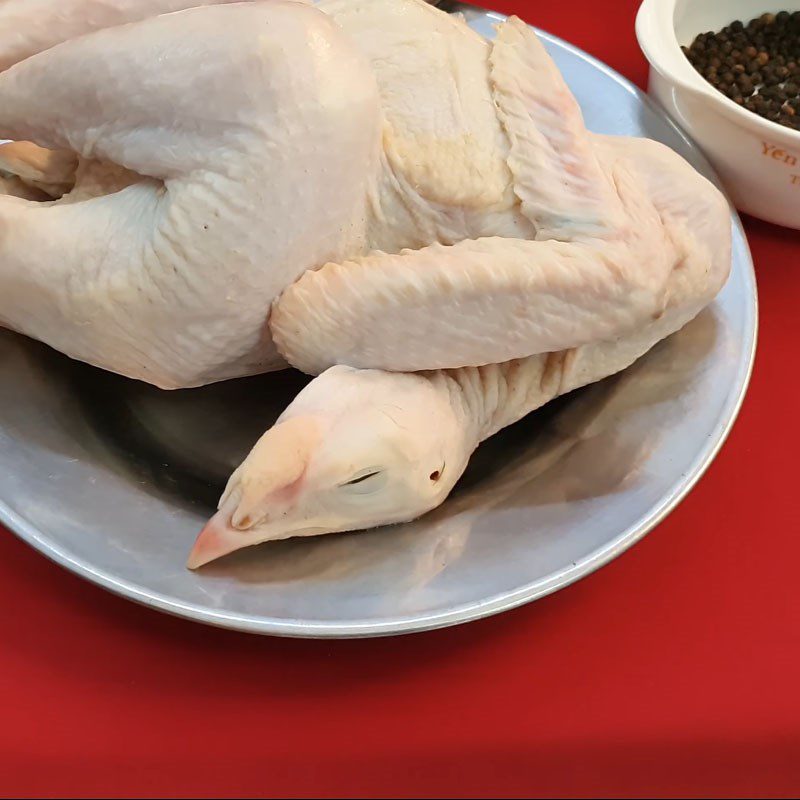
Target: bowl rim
650	21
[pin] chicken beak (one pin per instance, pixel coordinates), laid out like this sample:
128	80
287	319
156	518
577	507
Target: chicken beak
217	539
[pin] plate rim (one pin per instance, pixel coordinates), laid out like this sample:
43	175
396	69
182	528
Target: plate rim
505	601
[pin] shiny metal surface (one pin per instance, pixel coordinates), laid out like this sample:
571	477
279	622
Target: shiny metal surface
113	479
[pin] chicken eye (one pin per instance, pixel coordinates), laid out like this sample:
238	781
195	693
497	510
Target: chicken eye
436	474
361	478
368	482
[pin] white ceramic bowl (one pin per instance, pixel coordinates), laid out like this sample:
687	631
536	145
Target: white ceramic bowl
758	160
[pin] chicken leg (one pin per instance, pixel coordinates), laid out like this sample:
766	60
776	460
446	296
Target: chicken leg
223	118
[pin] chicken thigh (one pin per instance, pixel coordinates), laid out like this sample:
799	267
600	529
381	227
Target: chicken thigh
225	119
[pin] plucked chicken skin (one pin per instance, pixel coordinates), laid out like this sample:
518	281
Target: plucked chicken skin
364	189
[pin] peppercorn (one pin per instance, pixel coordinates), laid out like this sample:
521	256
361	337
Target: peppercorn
755	64
754	103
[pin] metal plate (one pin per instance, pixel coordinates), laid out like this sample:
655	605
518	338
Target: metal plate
113	479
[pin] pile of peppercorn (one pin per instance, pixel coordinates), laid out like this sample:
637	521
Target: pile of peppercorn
757	65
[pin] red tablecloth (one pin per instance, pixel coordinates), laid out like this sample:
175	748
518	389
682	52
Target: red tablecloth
673	671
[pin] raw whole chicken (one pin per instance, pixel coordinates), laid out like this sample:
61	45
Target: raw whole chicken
365	189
